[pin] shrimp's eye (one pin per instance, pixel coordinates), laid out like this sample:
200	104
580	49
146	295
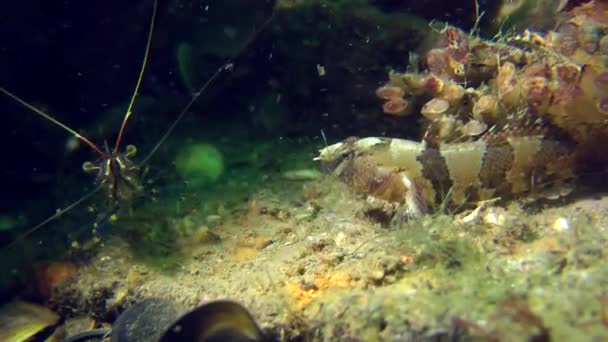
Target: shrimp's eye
89	167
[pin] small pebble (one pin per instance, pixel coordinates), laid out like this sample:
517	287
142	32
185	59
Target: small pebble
301	175
561	224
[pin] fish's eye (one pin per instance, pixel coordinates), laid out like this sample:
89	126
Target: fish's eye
345	156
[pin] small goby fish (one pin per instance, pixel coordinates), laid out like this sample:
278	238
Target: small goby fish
422	177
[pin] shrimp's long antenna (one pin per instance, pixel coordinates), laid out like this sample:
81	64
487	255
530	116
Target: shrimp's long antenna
141	76
55	216
53	120
185	110
226	66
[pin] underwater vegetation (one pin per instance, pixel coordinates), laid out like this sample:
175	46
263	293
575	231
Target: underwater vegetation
554	77
200	163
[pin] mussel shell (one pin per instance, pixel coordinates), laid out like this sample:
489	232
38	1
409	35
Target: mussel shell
145	321
221	320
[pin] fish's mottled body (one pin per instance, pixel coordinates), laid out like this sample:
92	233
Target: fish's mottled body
421	177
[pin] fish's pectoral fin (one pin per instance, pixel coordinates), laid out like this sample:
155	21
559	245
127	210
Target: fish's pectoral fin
414	206
402	215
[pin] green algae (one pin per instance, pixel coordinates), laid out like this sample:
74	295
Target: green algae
8	223
468	281
153	241
435	243
200	164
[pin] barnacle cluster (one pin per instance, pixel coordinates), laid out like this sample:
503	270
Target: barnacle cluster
559	77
